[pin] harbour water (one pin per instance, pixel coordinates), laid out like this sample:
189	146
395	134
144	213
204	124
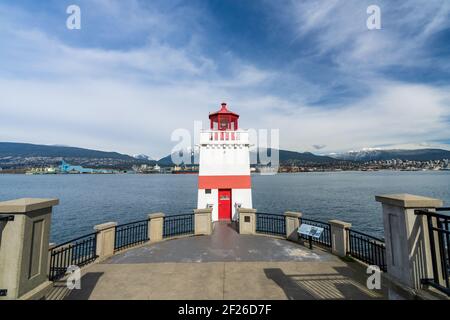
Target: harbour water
86	200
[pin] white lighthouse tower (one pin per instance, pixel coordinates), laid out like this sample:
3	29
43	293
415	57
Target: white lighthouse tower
224	180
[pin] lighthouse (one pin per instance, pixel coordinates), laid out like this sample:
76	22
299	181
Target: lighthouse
224	181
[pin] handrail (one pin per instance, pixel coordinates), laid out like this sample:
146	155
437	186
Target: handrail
367	248
73	240
439	241
129	223
312	220
7	218
433	213
79	251
270	223
269	214
367	235
178	225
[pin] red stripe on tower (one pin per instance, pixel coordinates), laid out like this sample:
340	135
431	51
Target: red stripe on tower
218	182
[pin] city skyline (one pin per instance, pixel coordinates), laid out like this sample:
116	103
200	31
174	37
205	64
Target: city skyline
136	71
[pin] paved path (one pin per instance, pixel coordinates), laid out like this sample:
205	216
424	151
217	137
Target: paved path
224	245
224	266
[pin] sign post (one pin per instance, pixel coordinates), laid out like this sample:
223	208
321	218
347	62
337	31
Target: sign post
310	232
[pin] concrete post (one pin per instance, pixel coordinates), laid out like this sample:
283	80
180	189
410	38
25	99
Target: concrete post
203	221
408	252
106	237
339	237
292	224
247	221
155	226
24	248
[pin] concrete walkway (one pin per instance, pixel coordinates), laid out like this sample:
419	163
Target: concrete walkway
225	265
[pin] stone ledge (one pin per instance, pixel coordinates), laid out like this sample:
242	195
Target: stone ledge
406	200
156	215
246	210
339	223
105	226
294	214
206	210
24	205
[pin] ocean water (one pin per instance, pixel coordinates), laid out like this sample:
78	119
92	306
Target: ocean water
87	200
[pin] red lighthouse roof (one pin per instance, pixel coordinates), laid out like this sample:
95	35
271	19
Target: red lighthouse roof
223	110
224	119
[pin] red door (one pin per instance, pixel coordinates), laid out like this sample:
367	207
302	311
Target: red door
224	204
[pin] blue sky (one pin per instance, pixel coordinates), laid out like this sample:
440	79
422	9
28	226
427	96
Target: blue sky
138	70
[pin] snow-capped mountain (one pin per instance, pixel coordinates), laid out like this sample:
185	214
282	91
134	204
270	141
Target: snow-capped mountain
369	154
142	157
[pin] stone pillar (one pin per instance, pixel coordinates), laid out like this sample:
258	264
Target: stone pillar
106	237
292	224
408	252
24	241
247	221
339	237
203	221
155	226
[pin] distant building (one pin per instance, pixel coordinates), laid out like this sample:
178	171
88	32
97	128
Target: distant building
68	168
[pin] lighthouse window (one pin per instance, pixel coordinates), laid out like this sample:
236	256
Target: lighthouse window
207	191
223	124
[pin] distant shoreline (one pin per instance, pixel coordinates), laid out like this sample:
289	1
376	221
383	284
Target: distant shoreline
5	172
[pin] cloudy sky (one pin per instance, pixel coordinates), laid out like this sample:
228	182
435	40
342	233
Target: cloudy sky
137	70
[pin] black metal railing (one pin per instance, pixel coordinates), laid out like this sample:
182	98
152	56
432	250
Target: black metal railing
177	225
367	248
78	252
131	234
439	238
270	223
6	218
325	237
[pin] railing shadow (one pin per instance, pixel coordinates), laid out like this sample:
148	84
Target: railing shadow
88	283
341	285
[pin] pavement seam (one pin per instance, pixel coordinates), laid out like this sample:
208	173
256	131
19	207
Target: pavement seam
223	283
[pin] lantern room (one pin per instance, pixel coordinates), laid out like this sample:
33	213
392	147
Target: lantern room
224	119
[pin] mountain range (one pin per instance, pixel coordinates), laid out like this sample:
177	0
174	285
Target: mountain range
379	154
29	154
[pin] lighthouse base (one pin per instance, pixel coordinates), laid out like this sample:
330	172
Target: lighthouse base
224	202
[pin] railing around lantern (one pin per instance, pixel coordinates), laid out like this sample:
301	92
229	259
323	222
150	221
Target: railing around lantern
224	137
325	237
77	252
439	237
270	223
367	248
180	224
131	234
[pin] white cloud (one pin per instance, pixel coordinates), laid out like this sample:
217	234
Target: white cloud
130	100
339	28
